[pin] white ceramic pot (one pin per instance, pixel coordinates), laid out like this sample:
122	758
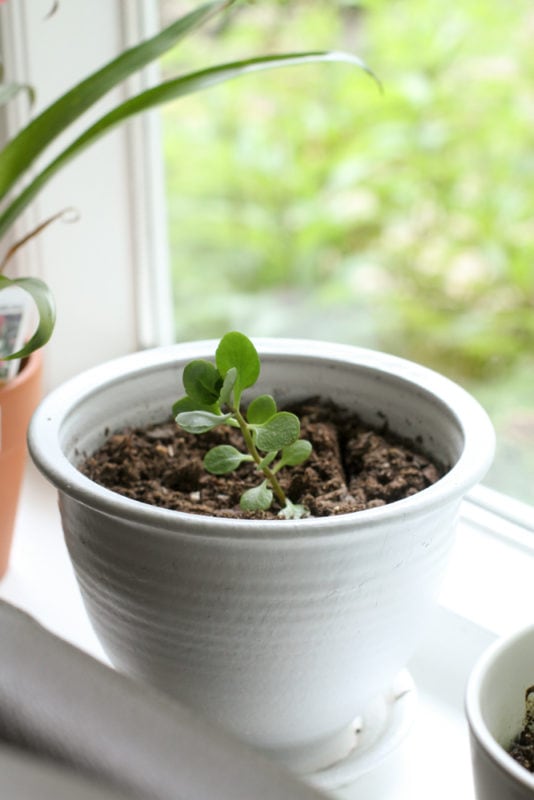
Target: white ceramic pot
495	708
282	631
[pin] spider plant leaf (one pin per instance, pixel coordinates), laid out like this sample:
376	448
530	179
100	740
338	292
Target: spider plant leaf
24	148
44	301
155	96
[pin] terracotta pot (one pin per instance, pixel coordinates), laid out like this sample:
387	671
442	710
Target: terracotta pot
282	631
18	400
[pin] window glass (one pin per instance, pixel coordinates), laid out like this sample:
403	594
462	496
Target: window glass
304	202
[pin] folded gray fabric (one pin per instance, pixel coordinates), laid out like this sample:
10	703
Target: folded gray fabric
66	709
27	777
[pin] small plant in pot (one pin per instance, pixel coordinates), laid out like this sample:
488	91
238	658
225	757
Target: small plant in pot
499	709
21	182
282	630
351	467
271	437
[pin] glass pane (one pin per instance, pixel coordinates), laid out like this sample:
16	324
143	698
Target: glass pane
304	202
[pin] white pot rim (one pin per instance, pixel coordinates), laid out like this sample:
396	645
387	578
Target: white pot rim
477	429
474	714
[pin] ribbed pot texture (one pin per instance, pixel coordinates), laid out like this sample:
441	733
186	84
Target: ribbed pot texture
18	400
282	631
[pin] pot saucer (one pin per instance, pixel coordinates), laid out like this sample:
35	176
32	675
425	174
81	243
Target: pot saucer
379	730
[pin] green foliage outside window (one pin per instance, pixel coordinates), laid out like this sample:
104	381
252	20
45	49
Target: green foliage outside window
310	204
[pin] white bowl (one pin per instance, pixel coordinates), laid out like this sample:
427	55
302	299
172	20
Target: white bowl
495	708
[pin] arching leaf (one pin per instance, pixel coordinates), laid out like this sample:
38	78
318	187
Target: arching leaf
44	301
163	93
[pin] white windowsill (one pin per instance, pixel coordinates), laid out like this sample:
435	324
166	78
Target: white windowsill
487	591
40	578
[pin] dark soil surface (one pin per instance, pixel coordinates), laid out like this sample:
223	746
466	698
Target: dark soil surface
522	749
351	467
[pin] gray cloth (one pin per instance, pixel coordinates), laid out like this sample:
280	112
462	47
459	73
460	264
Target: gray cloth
27	777
73	729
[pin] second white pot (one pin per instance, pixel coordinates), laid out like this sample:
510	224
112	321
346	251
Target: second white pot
495	707
282	631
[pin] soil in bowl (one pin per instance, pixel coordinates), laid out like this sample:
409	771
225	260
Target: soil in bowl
522	748
351	468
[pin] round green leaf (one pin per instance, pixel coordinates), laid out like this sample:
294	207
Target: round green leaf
257	499
223	458
200	421
202	382
261	409
296	453
278	432
236	350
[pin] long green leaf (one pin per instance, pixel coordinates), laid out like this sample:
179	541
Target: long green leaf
68	214
45	306
24	148
163	93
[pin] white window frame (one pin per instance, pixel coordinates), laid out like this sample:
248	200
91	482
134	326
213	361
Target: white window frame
114	260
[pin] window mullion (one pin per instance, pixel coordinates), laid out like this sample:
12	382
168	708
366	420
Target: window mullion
149	231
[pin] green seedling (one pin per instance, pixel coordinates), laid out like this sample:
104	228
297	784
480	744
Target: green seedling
271	437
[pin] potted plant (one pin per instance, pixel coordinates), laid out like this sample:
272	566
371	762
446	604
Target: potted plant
282	630
499	708
18	156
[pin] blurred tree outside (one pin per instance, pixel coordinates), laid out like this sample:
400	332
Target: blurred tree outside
304	202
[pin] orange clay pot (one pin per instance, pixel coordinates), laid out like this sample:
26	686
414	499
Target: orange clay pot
18	399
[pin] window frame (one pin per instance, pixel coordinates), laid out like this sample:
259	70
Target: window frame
119	245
